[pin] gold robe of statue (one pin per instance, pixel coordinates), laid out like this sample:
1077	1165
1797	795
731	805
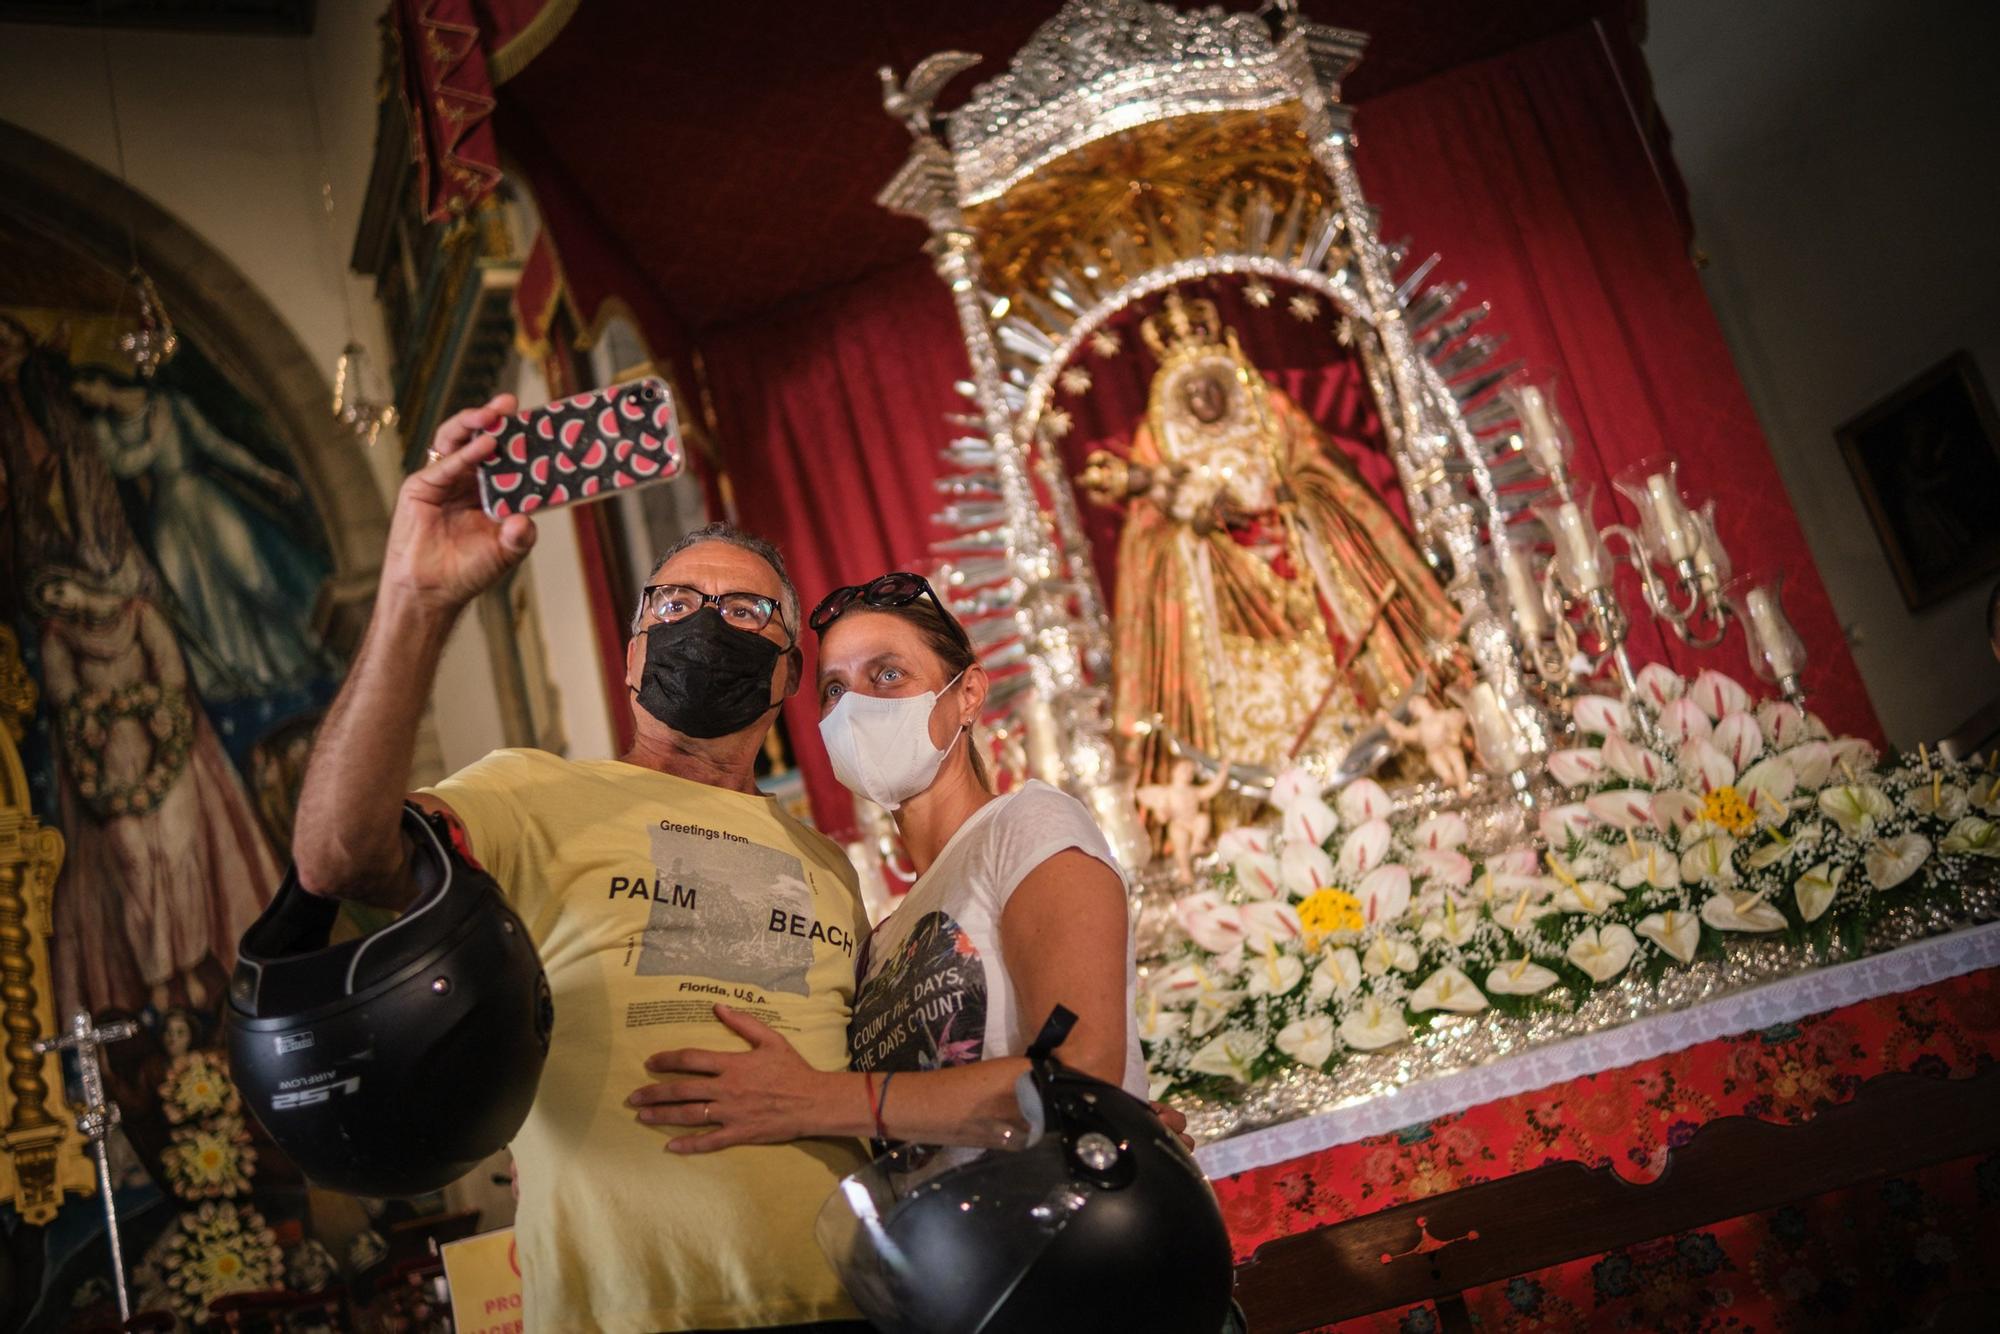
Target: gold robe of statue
1265	596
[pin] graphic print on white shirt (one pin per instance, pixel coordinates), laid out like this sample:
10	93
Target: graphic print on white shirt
925	1007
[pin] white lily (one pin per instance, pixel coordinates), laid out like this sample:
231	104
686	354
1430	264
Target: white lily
1891	861
1600	715
1372	1026
1364	848
1309	1041
1974	836
1602	952
1338	974
1384	893
1303	868
1588	896
1815	890
1855	807
1363	800
1229	1055
1678	933
1719	695
1448	989
1741	912
1520	977
1388	952
1442	833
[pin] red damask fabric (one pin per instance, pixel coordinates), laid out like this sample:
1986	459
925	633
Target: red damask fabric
1878	1256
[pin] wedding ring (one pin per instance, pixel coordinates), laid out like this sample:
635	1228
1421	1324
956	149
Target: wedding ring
432	456
704	1113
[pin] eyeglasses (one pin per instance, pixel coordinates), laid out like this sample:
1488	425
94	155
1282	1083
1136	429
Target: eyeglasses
899	589
743	611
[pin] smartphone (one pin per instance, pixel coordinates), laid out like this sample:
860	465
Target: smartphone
582	448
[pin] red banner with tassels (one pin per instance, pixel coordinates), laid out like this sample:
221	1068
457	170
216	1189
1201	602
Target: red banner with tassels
448	92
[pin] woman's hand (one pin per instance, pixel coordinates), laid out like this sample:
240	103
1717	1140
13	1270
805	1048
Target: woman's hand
766	1095
1175	1123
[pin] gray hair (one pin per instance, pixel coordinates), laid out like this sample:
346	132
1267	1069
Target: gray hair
728	532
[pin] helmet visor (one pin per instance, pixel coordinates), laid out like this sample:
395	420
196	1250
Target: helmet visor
927	1240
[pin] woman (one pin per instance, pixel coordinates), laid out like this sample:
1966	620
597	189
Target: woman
1018	907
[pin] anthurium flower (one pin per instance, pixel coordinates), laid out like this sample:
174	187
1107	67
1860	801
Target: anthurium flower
1338	974
1270	922
1209	922
1682	722
1295	785
1309	1041
1372	1026
1738	737
1443	866
1891	861
1855	807
1588	896
1520	977
1942	801
1815	890
1678	933
1274	975
1621	808
1647	863
1633	762
1660	685
1364	848
1600	715
1577	768
1783	724
1363	800
1442	832
1310	821
1388	951
1812	761
1602	952
1384	893
1741	912
1229	1055
1560	824
1971	834
1447	989
1719	695
1709	861
1303	868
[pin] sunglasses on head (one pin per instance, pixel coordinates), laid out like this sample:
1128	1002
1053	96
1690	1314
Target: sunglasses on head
899	589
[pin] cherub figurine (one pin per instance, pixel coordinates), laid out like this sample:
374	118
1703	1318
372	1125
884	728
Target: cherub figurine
1180	805
1440	734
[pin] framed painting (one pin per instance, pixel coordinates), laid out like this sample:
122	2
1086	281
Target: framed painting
1927	462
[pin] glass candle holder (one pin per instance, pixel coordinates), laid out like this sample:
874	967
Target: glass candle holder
1667	527
1583	565
1544	437
1711	561
1777	654
1524	590
1493	730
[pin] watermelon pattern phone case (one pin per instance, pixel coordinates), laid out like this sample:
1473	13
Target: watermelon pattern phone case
583	448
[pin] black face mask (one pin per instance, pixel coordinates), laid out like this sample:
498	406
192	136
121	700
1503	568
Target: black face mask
704	678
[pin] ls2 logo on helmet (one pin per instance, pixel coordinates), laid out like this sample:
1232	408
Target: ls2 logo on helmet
309	1097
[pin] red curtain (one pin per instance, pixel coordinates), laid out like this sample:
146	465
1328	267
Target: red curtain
1527	172
832	412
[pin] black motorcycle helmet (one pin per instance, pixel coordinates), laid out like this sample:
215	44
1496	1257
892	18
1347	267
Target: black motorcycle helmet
1102	1222
391	1064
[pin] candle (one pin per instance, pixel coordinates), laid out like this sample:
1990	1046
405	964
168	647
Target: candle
1492	728
1538	428
1670	517
1576	540
1774	637
1517	568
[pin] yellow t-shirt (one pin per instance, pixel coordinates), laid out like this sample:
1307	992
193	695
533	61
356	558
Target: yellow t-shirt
651	898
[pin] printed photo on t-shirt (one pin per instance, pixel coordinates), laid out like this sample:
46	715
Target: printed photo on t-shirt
924	1007
724	909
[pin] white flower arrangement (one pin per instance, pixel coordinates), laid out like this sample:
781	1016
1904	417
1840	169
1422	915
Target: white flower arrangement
1690	818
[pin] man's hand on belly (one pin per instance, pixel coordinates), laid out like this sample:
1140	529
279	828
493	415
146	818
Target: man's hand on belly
766	1095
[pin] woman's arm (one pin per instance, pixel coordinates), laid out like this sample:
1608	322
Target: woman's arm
1063	933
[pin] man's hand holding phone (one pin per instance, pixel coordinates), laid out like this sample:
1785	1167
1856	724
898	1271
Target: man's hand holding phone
444	550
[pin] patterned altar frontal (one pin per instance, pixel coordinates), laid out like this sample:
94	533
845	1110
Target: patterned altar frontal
1879	1256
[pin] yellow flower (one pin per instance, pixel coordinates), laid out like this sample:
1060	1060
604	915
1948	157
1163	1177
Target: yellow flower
1329	912
1726	809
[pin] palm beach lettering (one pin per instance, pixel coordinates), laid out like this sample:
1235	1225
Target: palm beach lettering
654	888
798	924
701	831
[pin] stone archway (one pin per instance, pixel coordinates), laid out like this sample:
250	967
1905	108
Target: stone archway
55	190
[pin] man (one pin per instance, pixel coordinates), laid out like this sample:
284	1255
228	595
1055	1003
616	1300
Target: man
655	885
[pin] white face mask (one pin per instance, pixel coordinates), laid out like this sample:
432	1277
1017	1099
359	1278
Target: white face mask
881	747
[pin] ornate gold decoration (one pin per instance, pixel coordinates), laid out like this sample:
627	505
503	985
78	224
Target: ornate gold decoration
41	1154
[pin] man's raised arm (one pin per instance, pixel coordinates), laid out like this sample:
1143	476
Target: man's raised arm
443	551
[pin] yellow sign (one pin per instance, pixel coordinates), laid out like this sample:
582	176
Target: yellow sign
485	1279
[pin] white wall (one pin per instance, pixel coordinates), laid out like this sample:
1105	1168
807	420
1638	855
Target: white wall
1840	156
220	132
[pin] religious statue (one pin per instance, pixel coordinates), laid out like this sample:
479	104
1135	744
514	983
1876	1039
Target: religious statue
1440	734
1266	597
1179	805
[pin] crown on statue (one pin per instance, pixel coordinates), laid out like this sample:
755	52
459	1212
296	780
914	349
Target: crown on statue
1182	326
